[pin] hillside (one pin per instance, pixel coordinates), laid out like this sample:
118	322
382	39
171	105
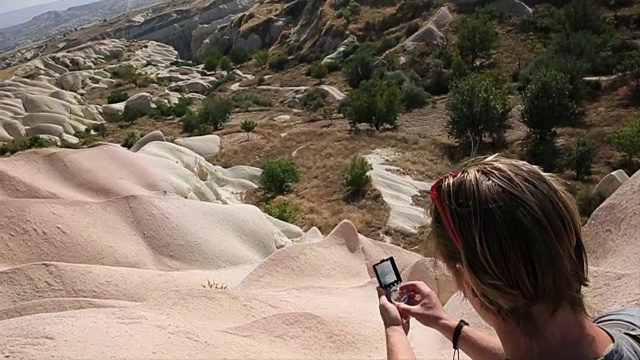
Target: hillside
215	179
25	26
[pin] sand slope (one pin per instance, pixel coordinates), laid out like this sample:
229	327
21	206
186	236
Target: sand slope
108	253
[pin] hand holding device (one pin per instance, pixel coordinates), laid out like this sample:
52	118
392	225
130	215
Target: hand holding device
389	280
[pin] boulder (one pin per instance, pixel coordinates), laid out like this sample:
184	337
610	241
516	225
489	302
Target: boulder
45	129
204	146
156	135
191	86
140	102
55	119
610	183
338	55
10	129
432	31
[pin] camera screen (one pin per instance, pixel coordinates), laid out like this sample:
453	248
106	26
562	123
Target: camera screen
385	273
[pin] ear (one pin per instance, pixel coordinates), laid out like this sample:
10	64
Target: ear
468	289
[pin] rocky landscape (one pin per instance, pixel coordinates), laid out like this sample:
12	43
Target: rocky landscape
216	178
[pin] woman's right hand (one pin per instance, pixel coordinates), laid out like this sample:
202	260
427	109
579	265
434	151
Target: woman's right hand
423	304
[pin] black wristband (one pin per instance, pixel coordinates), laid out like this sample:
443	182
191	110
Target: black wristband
457	332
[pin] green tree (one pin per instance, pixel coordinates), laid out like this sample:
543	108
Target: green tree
478	37
377	102
328	112
248	126
478	105
261	57
627	140
359	68
357	176
580	157
547	103
239	55
278	177
130	139
212	59
318	71
214	113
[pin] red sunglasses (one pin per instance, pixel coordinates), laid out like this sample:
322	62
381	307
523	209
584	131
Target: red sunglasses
437	200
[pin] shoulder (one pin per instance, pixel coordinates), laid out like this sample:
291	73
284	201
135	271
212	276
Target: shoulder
627	318
624	328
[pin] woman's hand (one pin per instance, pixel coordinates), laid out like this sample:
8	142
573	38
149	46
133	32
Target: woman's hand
423	304
390	314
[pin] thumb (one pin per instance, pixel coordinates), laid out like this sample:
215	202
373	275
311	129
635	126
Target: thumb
406	309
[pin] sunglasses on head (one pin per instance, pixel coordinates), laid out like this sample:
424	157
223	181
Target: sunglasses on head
437	200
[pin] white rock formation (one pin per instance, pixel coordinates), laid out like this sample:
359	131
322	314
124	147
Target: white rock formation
397	191
205	146
610	183
338	55
141	102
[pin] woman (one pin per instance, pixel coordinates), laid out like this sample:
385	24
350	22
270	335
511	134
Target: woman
510	236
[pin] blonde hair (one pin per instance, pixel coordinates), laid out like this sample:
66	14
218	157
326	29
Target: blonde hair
520	237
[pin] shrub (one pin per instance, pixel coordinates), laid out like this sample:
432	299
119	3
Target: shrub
478	37
626	140
212	59
24	143
580	157
314	99
387	43
359	68
377	102
248	126
130	139
584	15
280	63
239	55
574	69
100	129
261	57
215	113
413	96
225	64
278	176
350	12
203	129
249	100
117	96
127	73
281	210
540	151
357	176
317	71
129	114
587	200
547	103
328	112
478	105
182	106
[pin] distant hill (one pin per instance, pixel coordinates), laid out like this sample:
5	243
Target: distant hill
59	16
23	15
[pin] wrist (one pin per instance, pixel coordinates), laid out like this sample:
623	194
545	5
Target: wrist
394	329
446	326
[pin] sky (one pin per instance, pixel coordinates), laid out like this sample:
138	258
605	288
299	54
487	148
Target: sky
10	5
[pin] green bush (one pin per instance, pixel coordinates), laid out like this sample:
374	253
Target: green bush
226	64
281	63
178	110
248	126
203	129
129	115
215	113
478	37
478	105
127	73
261	57
574	69
117	96
281	210
580	157
540	151
411	28
278	176
314	99
545	21
328	112
377	103
130	139
249	100
317	71
349	12
413	96
584	15
587	200
626	140
547	103
239	55
357	176
212	59
24	143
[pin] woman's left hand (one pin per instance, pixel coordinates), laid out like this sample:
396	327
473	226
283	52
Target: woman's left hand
390	314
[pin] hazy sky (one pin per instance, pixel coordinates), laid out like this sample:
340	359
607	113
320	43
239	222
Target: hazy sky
10	5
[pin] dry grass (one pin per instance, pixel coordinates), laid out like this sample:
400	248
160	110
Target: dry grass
8	72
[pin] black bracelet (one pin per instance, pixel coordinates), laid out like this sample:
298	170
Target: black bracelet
457	332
